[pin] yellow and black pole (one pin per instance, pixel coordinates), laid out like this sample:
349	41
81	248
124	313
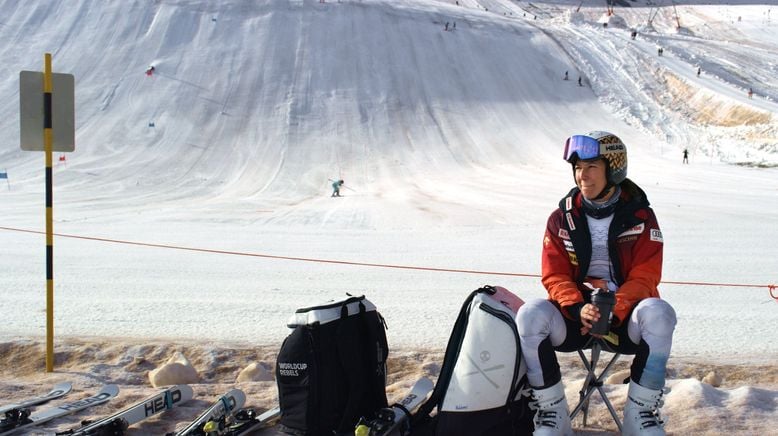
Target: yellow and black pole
55	113
47	144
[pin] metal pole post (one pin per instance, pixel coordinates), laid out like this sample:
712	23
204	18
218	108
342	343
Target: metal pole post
47	144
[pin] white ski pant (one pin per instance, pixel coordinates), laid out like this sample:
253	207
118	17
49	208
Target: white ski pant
650	329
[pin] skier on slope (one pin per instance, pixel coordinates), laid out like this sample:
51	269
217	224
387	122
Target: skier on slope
336	187
604	235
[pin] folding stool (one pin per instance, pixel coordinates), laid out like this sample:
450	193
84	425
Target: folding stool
593	381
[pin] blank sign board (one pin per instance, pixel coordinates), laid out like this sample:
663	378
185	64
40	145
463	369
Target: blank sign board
62	111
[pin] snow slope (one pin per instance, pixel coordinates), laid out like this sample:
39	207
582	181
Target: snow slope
449	143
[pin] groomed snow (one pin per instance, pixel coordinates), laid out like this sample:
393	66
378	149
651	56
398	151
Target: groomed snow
185	184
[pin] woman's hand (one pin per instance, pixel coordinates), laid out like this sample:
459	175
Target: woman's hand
589	315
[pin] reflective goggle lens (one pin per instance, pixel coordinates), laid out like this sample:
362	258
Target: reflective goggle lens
585	147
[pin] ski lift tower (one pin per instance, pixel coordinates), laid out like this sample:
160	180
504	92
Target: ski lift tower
578	9
653	11
677	18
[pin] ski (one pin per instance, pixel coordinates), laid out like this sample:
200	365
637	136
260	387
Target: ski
117	423
395	420
19	419
59	390
218	415
246	421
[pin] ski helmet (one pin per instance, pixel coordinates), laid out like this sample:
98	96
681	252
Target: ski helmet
599	145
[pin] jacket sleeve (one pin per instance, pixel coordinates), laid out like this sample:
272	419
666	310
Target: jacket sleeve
558	272
643	269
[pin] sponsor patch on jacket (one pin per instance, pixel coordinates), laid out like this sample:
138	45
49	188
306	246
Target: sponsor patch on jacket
563	234
638	229
569	203
569	246
656	236
570	222
546	241
573	258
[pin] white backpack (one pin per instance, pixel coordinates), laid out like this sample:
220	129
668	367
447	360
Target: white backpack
478	391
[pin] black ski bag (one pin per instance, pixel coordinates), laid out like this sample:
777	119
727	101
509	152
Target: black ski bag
331	370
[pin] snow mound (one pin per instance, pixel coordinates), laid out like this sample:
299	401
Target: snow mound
177	370
256	371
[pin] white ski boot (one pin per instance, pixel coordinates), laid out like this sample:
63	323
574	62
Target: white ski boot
641	413
552	417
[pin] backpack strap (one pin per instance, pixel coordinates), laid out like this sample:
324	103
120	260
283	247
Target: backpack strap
348	341
449	359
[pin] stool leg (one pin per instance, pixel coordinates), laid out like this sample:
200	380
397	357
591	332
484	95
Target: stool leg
591	380
599	383
590	383
593	383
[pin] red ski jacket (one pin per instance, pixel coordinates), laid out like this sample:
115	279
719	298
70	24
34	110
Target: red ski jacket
634	245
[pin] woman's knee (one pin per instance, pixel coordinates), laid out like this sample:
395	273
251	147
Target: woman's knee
535	316
655	316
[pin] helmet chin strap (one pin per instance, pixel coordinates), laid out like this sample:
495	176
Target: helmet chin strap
604	192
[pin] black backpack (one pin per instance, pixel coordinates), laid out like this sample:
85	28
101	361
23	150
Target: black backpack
331	370
478	391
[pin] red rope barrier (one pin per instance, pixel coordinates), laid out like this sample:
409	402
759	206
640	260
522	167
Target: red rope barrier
771	288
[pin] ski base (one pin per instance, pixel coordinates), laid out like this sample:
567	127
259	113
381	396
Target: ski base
59	390
117	423
20	419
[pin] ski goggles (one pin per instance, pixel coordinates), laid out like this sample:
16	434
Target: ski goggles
585	147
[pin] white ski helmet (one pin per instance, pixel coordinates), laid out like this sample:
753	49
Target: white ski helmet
598	144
